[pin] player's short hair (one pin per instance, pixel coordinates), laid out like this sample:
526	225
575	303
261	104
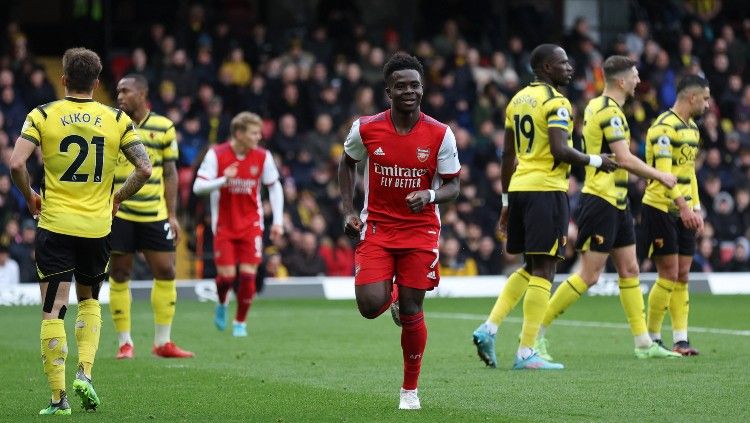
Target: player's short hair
691	81
140	81
243	120
401	61
541	54
614	65
81	68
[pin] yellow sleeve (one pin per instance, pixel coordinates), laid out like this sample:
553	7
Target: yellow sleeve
31	129
558	113
128	134
170	145
661	143
508	120
613	124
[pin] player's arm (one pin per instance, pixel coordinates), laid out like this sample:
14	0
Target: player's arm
507	169
22	150
696	201
208	178
661	142
633	164
354	151
169	174
136	154
270	178
557	114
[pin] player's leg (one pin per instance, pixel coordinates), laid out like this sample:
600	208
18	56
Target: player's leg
373	278
546	230
163	303
121	264
515	286
413	342
631	298
54	345
679	307
92	256
249	252
120	302
55	263
226	273
662	244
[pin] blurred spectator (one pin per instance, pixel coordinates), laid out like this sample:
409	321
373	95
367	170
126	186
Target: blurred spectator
452	262
237	68
23	252
338	257
304	259
488	257
9	271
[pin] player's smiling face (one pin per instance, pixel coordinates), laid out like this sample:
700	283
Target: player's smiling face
405	90
559	67
129	97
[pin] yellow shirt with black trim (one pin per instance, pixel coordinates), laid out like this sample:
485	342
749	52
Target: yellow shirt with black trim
80	140
605	123
530	114
671	146
149	205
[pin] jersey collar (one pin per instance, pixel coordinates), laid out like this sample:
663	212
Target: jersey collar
148	115
78	99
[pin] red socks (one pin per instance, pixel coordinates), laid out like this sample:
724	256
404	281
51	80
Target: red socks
223	285
413	341
245	295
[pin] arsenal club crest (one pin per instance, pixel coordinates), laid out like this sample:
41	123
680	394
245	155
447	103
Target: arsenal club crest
254	170
423	154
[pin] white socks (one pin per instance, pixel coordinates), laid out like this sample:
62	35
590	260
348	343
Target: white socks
162	334
124	338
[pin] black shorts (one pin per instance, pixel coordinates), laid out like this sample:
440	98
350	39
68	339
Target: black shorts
537	222
603	227
666	234
129	237
60	257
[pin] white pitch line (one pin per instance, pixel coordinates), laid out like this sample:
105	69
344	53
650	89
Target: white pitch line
583	323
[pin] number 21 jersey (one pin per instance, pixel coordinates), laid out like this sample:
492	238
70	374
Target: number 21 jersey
529	114
80	140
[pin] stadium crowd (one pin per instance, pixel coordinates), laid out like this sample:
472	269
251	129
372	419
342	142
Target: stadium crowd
308	87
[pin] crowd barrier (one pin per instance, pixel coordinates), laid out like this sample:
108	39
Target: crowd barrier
342	288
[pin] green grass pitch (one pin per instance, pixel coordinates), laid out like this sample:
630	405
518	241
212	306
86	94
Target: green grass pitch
317	360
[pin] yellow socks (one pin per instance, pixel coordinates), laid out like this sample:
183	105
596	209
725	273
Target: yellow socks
163	299
54	346
119	304
658	300
534	307
514	288
566	294
631	299
88	328
679	307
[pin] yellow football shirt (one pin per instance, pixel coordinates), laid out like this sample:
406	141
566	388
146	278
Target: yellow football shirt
157	134
530	113
671	146
80	140
604	123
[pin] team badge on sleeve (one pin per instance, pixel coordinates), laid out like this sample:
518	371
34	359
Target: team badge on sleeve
663	144
423	154
616	123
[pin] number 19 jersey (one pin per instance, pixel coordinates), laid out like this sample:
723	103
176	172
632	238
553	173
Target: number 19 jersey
80	140
530	113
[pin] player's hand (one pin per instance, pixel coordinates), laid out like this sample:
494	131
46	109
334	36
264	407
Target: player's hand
174	226
608	163
416	200
690	219
667	179
699	230
277	231
231	171
502	225
352	225
34	204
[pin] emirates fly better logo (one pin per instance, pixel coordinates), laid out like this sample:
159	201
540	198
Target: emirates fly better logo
423	154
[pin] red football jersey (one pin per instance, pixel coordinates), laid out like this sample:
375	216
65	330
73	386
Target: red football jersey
236	207
397	165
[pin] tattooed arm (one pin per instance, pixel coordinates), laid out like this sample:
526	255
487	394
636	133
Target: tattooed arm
136	154
170	196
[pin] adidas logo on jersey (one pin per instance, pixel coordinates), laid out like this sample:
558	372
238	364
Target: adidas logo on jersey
379	152
431	275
